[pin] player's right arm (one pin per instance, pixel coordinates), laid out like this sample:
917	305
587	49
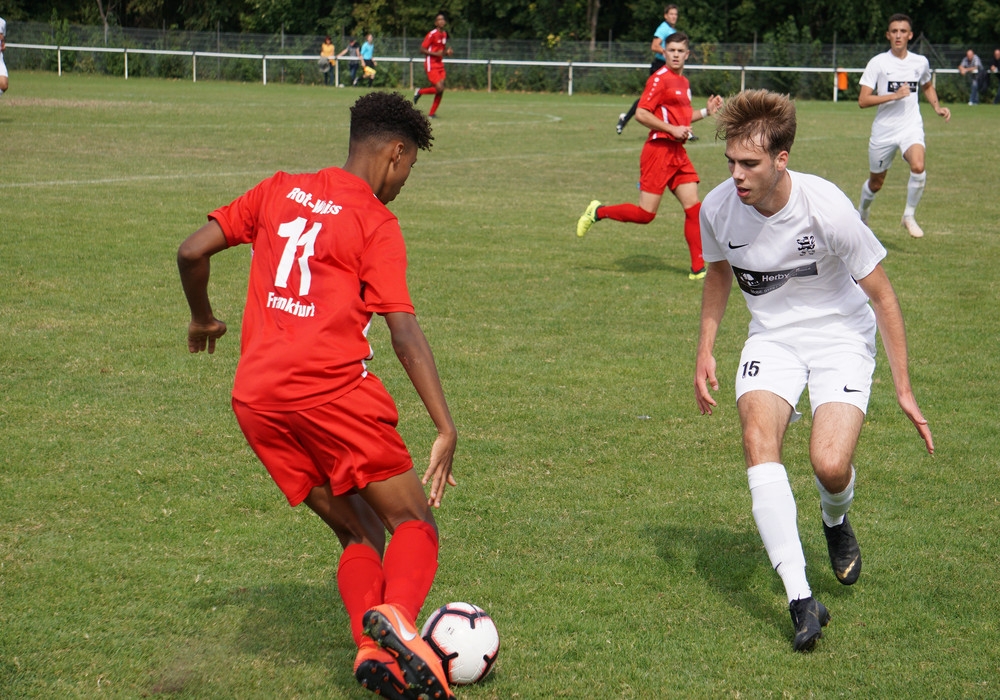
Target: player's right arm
868	98
414	353
194	264
714	297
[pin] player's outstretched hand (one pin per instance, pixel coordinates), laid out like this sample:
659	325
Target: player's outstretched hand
202	336
715	103
438	473
944	112
704	376
912	411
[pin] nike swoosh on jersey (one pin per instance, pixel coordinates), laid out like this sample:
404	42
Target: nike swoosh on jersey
851	391
407	636
734	247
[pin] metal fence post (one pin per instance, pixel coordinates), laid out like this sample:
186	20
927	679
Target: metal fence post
194	67
570	64
126	64
489	75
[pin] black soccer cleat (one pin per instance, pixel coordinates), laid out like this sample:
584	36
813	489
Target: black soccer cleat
845	554
622	121
416	96
809	617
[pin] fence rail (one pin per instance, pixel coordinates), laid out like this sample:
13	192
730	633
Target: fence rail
408	63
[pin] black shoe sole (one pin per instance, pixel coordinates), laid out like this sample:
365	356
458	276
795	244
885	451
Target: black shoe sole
376	677
424	685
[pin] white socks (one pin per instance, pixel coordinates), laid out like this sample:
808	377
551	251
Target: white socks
836	505
774	511
867	197
914	191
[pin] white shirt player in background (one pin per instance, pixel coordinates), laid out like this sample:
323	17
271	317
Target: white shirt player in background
796	246
3	66
890	82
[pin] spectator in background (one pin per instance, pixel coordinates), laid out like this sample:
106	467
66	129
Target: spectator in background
3	66
995	69
328	51
971	64
367	57
666	28
353	53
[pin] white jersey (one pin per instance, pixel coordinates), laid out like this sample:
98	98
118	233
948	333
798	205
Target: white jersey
884	74
3	27
797	267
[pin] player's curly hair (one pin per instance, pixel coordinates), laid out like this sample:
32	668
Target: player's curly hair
381	115
758	116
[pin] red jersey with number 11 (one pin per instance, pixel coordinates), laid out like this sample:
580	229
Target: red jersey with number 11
327	254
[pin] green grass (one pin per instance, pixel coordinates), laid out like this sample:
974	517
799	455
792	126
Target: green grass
603	523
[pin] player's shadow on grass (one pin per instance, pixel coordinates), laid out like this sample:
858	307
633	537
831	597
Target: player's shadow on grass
280	625
639	264
735	565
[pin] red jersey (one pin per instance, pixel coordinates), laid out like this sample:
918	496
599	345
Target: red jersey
436	40
668	97
327	254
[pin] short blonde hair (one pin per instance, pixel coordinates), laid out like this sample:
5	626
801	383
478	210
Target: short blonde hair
758	114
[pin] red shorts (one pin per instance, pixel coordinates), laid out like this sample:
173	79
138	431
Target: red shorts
435	75
664	164
349	442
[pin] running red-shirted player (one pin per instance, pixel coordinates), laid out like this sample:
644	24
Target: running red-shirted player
665	107
434	48
327	254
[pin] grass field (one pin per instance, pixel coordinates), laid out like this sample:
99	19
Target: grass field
600	519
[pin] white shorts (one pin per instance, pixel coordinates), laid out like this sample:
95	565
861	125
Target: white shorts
835	370
881	153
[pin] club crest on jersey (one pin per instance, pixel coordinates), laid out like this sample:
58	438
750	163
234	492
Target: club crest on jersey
758	283
807	245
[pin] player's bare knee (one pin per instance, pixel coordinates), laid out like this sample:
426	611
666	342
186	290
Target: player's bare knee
834	473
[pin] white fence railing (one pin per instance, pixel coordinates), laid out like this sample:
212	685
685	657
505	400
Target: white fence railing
489	63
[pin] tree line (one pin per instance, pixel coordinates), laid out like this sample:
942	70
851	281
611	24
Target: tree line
961	22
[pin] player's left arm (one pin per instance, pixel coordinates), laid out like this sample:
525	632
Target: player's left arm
889	318
194	264
932	97
713	105
414	353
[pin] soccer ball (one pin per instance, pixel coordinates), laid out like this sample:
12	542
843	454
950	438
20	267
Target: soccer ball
465	638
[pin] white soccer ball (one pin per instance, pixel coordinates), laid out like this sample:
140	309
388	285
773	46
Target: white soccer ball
465	638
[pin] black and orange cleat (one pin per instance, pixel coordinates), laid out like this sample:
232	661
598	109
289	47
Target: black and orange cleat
376	670
421	667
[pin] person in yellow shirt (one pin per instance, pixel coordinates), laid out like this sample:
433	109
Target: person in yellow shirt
329	52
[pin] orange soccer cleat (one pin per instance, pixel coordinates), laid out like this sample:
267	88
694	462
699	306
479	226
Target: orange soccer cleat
393	631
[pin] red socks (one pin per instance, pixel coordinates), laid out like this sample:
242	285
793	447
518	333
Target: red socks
630	213
410	564
692	234
434	105
403	579
361	583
